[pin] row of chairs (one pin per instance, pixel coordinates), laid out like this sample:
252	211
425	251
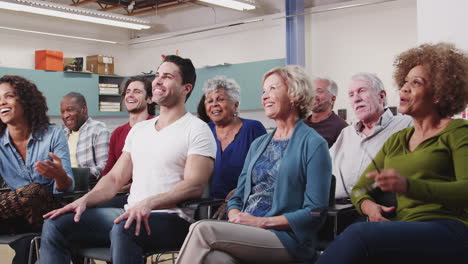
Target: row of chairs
81	176
203	208
337	218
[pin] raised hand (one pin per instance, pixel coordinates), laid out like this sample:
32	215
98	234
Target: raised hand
389	180
51	169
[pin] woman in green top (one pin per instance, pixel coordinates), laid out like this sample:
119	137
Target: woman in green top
425	165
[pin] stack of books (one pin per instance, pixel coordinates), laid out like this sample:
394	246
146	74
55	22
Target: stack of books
108	88
109	106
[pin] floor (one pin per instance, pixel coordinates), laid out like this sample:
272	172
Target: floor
6	255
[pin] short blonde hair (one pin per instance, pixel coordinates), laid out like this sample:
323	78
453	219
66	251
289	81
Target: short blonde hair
300	89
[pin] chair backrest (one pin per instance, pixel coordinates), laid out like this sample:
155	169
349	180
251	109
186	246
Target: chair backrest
81	176
331	201
325	233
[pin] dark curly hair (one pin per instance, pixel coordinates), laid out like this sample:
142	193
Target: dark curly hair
32	101
447	68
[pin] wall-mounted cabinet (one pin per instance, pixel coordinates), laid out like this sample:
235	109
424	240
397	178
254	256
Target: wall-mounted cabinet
110	89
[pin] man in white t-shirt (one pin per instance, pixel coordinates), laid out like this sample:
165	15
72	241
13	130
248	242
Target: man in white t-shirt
171	158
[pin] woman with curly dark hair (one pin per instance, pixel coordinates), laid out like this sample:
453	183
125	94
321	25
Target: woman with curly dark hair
425	165
34	160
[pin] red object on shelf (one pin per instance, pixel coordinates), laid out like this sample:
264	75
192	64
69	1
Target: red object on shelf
49	60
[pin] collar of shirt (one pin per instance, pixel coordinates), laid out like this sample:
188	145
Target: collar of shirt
384	120
81	129
5	139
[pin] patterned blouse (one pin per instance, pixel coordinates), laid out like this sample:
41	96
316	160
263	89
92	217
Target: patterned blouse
264	175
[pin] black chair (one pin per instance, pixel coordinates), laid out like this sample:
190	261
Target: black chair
81	178
332	227
203	210
7	239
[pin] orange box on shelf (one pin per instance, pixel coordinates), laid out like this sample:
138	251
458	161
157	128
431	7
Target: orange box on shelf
49	60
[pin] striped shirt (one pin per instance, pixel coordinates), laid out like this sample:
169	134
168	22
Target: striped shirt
349	155
92	147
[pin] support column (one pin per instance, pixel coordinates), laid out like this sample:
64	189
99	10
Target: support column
295	50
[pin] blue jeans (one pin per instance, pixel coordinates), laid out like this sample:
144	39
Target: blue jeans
436	241
96	229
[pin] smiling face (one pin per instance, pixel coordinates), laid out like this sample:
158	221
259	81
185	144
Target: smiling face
415	95
219	107
275	98
73	114
323	100
136	99
168	89
366	102
11	111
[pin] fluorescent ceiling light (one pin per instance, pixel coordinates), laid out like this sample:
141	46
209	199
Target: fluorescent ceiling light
234	4
67	15
60	35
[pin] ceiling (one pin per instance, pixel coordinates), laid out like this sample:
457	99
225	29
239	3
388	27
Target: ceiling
164	16
175	15
148	8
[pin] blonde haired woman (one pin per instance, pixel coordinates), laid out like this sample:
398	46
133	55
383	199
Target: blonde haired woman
286	175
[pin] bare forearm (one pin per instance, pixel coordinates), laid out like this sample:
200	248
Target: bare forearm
180	192
105	189
125	188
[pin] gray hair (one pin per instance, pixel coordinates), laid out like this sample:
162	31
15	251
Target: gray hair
230	86
374	82
299	86
332	86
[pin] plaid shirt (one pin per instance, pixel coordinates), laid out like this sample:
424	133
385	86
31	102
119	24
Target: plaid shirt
92	147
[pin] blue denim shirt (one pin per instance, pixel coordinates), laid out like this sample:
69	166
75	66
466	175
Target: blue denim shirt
17	173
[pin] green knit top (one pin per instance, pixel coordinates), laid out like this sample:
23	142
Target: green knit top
437	173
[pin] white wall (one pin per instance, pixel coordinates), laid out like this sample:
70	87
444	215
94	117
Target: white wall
237	44
17	48
443	21
338	44
343	42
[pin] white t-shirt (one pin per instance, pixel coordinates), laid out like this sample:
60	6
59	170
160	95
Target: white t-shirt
159	157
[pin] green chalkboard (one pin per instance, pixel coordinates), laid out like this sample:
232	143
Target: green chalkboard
247	75
55	85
